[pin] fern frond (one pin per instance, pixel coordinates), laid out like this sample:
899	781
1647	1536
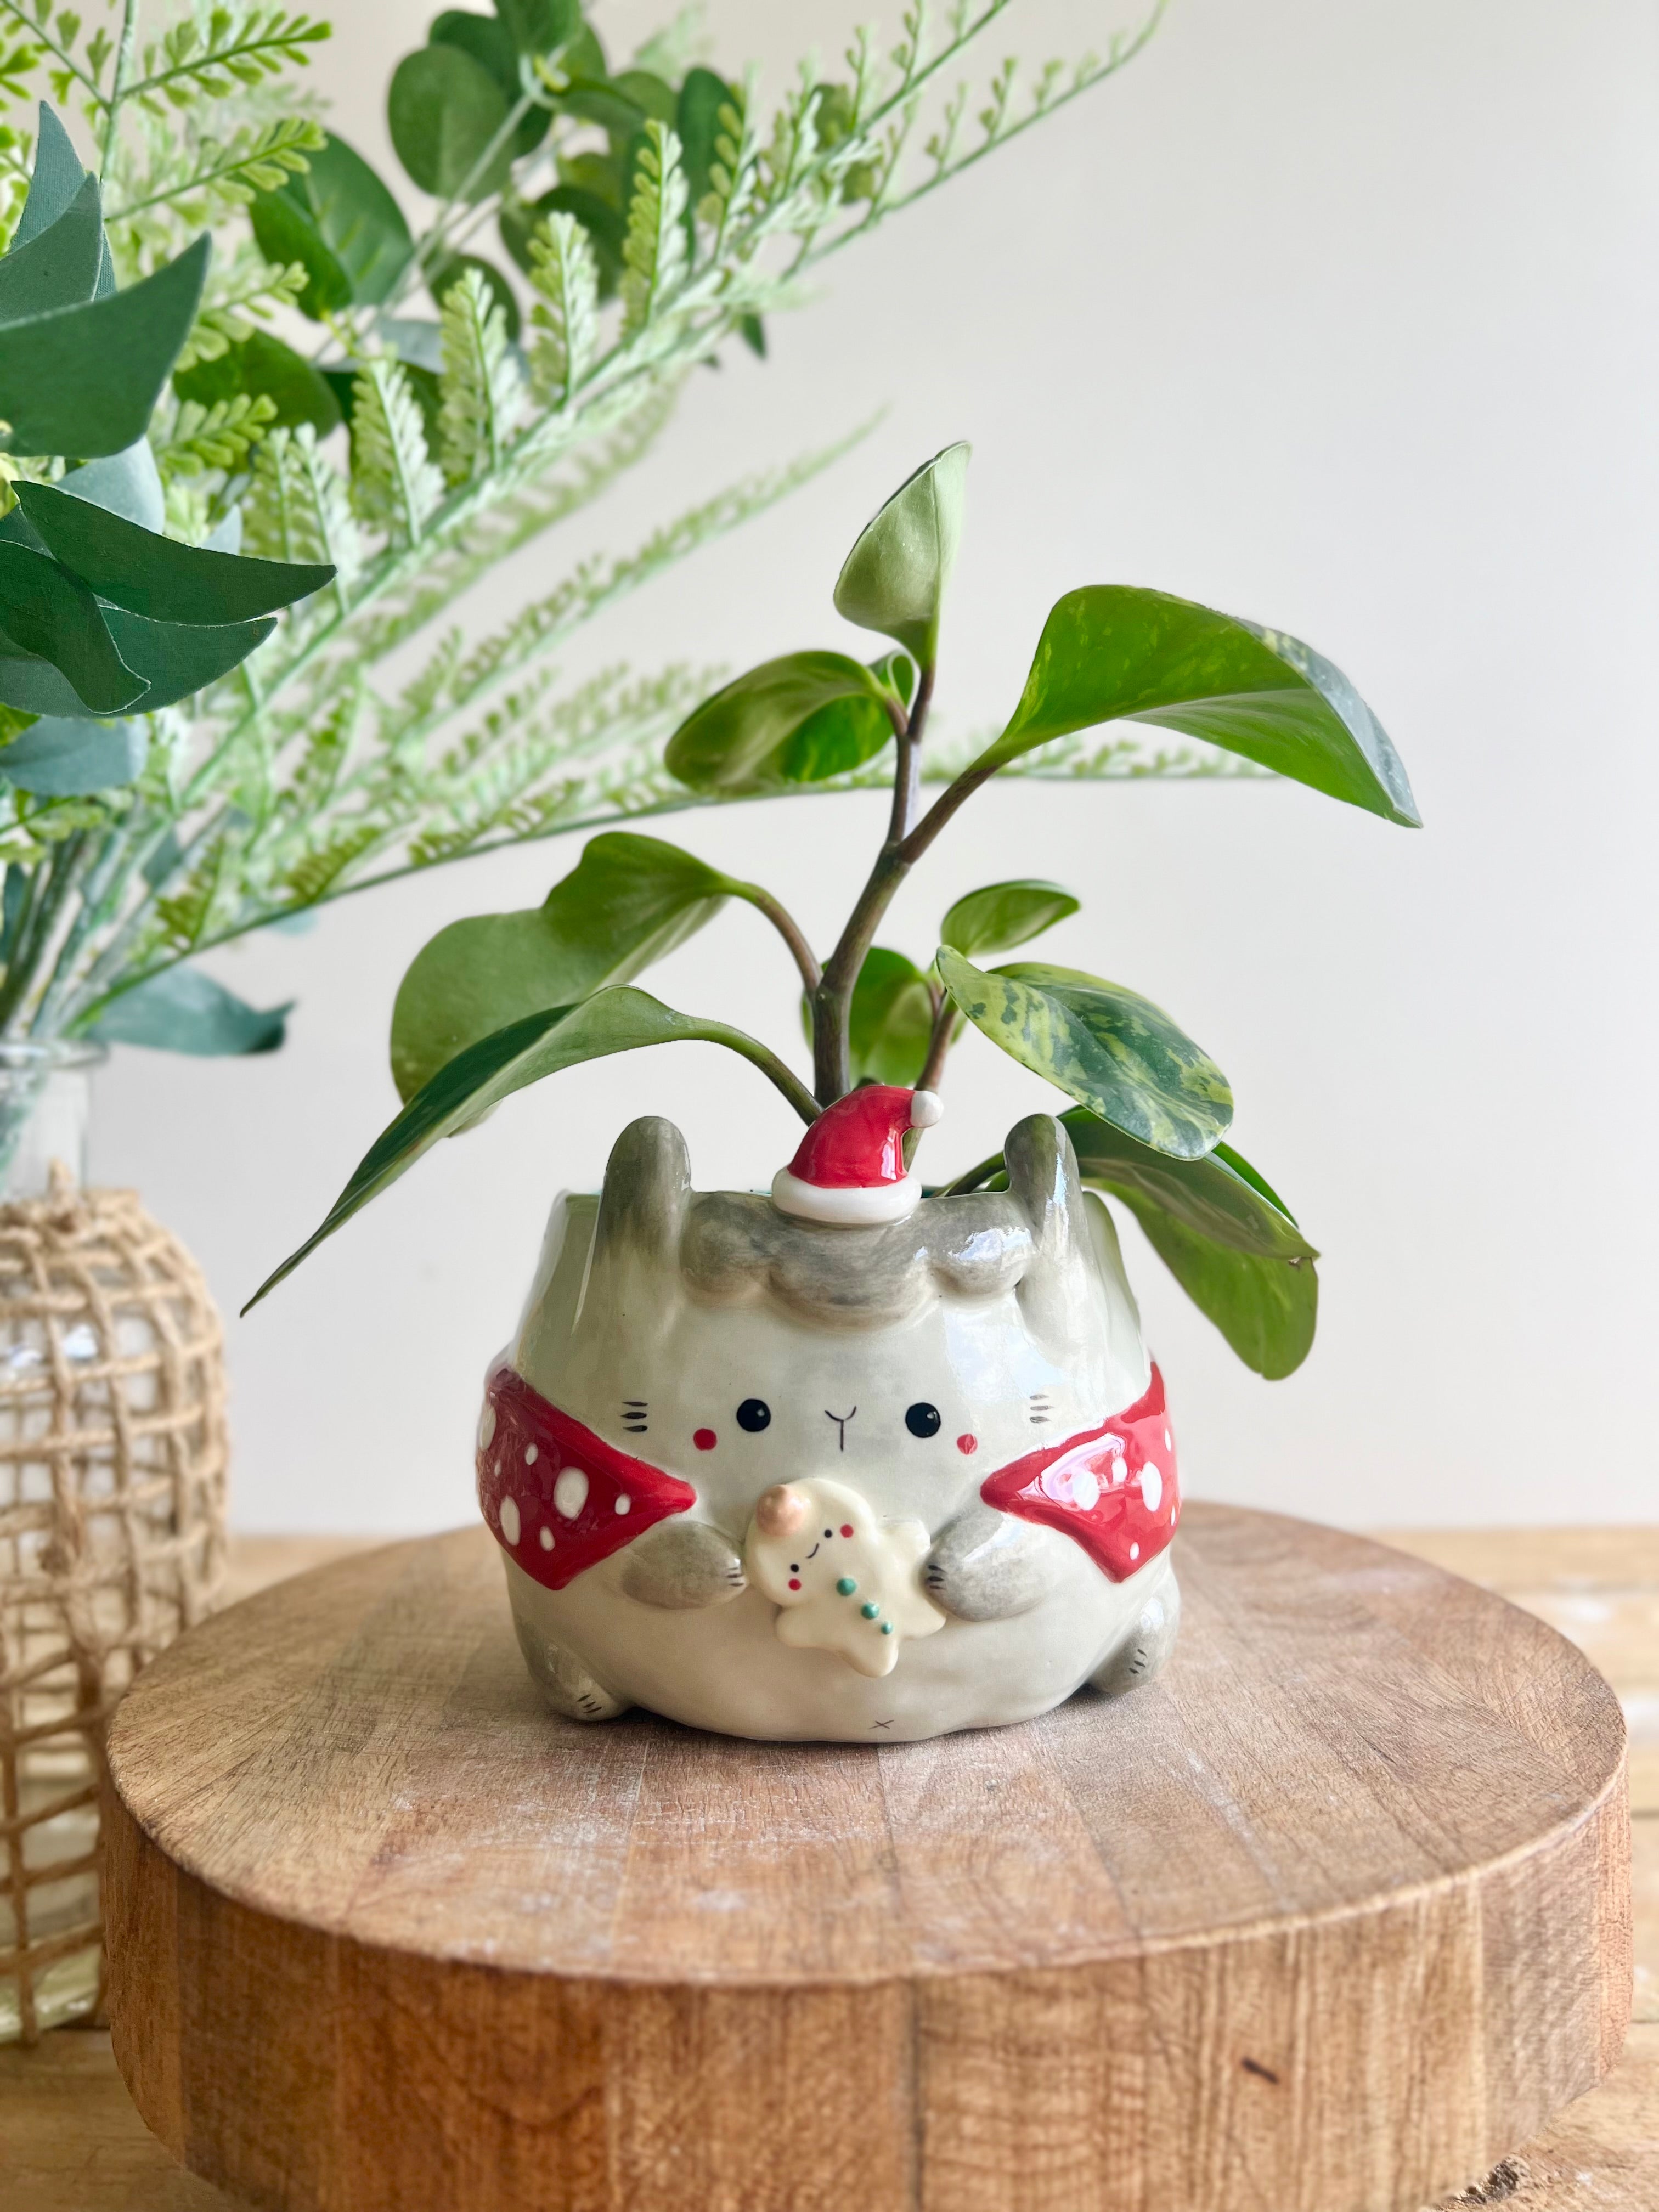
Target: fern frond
193	60
218	437
479	387
653	251
258	158
252	293
394	485
296	508
565	315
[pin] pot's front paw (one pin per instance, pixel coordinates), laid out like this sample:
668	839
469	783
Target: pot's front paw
563	1681
1143	1652
987	1566
681	1564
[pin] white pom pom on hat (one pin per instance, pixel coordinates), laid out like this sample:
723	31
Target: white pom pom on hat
848	1171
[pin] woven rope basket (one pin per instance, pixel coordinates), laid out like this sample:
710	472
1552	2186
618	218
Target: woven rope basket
112	1453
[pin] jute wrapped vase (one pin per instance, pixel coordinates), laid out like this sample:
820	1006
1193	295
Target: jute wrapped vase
112	1458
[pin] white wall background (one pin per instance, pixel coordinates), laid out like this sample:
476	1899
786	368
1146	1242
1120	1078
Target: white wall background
1343	317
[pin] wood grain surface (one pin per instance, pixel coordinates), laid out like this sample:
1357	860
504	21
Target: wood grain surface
1331	1918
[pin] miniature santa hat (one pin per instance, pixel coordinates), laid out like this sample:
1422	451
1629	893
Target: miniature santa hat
849	1169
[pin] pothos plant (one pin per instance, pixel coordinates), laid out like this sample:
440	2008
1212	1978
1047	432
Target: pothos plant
449	407
501	1001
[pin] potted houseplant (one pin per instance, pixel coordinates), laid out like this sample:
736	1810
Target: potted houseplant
855	1453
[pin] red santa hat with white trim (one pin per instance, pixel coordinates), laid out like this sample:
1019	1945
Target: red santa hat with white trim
849	1170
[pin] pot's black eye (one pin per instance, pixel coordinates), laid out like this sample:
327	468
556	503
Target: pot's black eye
921	1419
755	1414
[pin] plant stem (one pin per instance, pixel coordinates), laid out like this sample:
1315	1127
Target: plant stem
832	999
118	84
787	928
938	1043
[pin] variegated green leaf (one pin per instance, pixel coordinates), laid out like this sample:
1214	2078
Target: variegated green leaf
1110	1049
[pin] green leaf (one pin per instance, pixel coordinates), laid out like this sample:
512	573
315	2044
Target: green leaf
85	379
66	759
158	576
1003	916
795	719
540	26
181	1009
489	43
890	1021
58	177
696	119
1109	653
58	268
444	108
261	366
46	612
1219	1197
127	483
894	577
1114	1052
449	272
178	659
466	1088
606	228
628	901
342	224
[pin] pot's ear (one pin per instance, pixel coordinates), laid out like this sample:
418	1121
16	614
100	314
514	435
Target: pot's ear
1043	1181
648	1182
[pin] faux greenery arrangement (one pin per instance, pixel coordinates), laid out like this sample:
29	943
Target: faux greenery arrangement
451	409
496	1003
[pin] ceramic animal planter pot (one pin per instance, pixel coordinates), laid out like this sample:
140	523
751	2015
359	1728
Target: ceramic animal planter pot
844	1462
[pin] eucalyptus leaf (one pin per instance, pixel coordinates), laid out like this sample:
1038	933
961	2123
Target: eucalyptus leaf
47	612
57	178
465	1088
894	577
158	576
540	26
58	268
1109	653
697	122
890	1022
795	720
628	901
181	1009
262	367
85	379
339	221
1003	916
34	686
178	659
443	109
60	759
489	43
1113	1051
126	483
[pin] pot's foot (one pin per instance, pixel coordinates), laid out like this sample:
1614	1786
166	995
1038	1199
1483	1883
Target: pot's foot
1142	1653
564	1681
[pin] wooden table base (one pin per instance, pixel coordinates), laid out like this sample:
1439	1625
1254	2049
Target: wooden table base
1326	1920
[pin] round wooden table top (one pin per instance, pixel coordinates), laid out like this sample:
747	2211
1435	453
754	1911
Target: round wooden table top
1329	1917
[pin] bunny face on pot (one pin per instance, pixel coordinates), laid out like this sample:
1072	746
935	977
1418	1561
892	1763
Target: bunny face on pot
710	1399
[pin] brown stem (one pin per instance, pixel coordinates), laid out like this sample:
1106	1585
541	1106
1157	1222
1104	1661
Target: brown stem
788	929
938	1044
833	998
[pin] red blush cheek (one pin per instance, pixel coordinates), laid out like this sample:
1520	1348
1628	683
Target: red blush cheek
794	1583
704	1439
968	1444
